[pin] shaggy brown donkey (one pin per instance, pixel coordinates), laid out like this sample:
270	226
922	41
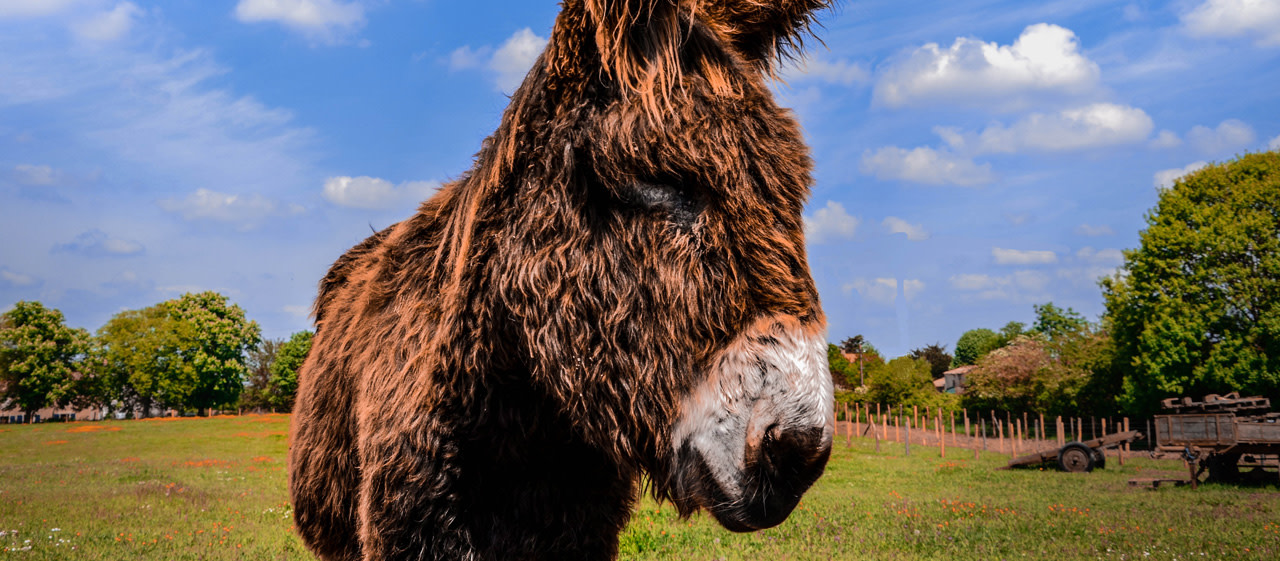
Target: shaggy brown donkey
617	288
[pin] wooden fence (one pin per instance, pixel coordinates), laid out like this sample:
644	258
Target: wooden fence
992	431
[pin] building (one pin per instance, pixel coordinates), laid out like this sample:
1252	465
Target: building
953	381
10	415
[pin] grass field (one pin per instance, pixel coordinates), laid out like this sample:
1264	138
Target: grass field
215	489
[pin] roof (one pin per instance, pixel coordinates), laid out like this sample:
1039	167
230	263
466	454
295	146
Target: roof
940	382
961	369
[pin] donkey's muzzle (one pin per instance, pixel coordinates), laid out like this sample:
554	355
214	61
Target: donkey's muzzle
756	434
778	472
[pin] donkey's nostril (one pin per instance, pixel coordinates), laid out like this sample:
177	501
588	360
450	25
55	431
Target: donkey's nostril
790	451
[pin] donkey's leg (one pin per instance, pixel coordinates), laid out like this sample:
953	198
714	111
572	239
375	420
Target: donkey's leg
408	501
322	462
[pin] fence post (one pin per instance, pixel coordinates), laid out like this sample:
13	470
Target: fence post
954	440
1125	448
857	420
942	442
984	434
1059	429
907	443
1000	435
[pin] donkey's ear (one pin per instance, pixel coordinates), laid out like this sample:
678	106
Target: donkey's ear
764	31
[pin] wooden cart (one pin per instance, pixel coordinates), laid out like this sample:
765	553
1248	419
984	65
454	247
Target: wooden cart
1078	456
1221	435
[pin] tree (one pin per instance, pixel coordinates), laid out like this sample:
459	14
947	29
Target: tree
867	356
905	381
1195	309
973	344
1009	332
1025	376
257	388
937	357
284	371
1054	322
39	357
843	374
853	345
140	360
215	351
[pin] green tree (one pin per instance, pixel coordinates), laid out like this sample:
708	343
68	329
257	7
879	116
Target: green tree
1196	308
1025	376
284	371
937	357
974	344
906	381
216	349
257	387
39	357
140	360
1008	333
1054	322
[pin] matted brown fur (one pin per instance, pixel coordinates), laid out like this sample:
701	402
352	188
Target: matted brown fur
490	377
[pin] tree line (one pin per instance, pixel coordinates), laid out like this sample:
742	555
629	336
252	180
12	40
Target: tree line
194	353
1194	310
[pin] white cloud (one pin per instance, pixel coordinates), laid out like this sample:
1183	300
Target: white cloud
157	114
33	8
1236	18
925	165
885	290
15	278
1166	139
1094	231
1275	143
515	57
914	232
1019	285
830	223
96	243
1164	179
245	210
1044	60
839	71
36	175
372	193
1231	134
1112	257
1020	257
464	57
108	26
321	20
1093	126
297	311
508	64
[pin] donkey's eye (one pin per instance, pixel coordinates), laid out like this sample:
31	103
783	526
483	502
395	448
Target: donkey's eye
676	206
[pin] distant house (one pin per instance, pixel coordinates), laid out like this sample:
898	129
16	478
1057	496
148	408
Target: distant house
9	415
952	381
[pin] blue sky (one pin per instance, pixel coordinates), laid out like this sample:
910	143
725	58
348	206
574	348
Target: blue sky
973	157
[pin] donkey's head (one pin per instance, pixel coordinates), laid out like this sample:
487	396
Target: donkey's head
648	245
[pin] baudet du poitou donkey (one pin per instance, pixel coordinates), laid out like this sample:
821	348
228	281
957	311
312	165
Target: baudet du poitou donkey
617	288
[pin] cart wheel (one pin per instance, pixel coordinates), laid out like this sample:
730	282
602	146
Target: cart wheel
1075	458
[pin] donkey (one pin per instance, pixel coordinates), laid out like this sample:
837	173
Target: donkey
618	288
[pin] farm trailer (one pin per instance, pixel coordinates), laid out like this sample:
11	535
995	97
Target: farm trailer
1221	434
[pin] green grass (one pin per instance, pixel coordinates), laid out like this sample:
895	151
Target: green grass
215	489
